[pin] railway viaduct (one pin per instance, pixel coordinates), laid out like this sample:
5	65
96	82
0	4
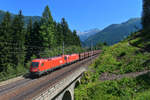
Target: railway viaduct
59	85
64	89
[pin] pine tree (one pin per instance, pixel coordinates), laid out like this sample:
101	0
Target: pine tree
18	36
47	30
65	31
76	39
36	39
70	38
47	17
5	44
28	40
79	42
59	34
146	14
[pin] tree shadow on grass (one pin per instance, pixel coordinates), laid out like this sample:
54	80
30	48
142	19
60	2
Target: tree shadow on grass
143	81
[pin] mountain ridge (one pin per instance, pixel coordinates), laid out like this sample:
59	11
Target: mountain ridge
115	32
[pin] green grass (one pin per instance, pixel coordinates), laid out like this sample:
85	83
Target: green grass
130	55
122	58
124	89
142	96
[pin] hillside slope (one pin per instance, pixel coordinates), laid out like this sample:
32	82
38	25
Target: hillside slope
115	32
129	56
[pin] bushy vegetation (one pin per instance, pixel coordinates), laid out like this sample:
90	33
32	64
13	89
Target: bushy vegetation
120	58
20	43
123	58
124	89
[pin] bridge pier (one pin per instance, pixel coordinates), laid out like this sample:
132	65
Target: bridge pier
68	94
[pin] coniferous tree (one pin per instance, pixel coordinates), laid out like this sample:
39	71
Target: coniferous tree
36	39
146	14
5	43
28	40
76	39
47	30
65	30
15	38
59	34
18	35
79	42
70	38
56	37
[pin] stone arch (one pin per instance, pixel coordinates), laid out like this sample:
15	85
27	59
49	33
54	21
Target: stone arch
67	96
77	84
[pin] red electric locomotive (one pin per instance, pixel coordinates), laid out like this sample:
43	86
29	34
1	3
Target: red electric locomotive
40	66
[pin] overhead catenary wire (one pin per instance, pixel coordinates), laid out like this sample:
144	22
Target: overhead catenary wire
16	49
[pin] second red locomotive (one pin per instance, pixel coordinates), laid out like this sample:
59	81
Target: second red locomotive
40	66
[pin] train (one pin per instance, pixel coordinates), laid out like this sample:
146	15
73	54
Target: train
45	65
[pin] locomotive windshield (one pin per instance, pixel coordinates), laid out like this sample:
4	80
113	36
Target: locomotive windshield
34	64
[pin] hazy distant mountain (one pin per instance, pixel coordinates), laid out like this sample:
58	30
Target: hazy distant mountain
84	35
26	18
115	32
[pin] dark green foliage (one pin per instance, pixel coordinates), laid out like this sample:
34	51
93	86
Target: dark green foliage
47	17
47	30
100	45
18	37
5	35
65	35
59	34
146	14
28	40
76	39
20	42
36	44
33	40
105	43
65	31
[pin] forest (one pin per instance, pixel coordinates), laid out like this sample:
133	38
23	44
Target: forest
20	43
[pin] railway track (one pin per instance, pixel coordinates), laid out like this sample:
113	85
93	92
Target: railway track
27	88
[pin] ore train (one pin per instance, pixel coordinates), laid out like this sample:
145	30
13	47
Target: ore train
41	66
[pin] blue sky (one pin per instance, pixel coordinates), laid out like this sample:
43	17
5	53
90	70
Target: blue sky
80	14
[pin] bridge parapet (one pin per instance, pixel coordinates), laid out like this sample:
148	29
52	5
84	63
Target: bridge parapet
57	90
